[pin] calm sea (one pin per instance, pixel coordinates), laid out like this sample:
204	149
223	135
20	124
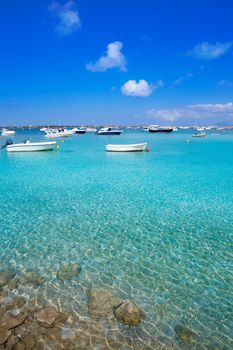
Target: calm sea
156	227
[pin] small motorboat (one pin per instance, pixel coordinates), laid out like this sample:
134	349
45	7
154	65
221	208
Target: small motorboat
199	134
137	147
57	133
89	129
6	132
155	128
109	131
79	130
29	146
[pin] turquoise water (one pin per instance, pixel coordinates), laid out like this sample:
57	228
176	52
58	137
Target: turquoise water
156	227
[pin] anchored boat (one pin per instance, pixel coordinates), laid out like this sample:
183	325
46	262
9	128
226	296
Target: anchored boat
199	134
29	146
109	131
57	133
137	147
155	128
6	132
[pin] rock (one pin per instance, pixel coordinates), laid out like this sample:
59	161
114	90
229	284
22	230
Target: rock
4	335
29	342
68	272
8	321
101	302
185	334
49	316
32	278
15	303
54	334
11	342
19	346
5	277
13	284
129	313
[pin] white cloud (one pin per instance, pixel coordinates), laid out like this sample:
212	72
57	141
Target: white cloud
206	51
140	89
225	83
199	111
113	59
67	17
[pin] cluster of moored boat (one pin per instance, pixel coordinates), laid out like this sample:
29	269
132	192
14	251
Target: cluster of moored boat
56	133
63	132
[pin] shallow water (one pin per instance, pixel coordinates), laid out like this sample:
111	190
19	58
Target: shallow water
156	227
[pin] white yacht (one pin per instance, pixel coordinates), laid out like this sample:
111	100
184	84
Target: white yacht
109	131
57	133
6	132
79	130
156	128
89	129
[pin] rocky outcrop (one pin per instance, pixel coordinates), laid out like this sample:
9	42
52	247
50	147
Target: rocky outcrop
49	316
32	278
15	303
101	302
185	334
4	335
13	284
69	272
5	277
129	313
9	321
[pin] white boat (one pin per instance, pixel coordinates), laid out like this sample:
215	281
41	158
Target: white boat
79	130
200	134
6	132
57	133
160	129
109	131
137	147
29	146
91	130
200	128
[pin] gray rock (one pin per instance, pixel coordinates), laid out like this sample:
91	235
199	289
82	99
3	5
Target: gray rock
185	334
129	313
101	302
69	272
5	277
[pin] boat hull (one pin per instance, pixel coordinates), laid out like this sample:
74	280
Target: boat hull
31	147
108	132
161	130
199	135
138	147
8	133
80	132
58	135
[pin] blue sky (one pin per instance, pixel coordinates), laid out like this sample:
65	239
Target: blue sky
118	61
